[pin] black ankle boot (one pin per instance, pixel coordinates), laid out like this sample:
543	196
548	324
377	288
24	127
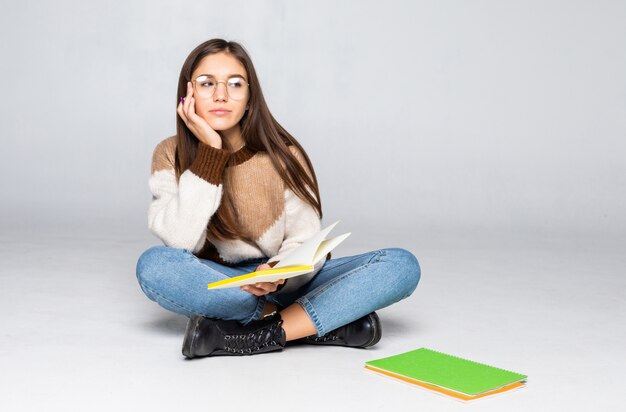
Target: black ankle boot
361	333
209	337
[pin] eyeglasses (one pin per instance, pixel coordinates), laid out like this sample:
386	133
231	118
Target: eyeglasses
236	86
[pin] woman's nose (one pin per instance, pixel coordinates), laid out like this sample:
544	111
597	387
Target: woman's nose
220	92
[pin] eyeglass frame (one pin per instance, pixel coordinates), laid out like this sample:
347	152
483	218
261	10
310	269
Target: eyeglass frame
217	82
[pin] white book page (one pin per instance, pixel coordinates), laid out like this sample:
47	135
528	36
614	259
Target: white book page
328	245
306	252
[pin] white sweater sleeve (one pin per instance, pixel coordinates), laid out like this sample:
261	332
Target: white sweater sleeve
180	212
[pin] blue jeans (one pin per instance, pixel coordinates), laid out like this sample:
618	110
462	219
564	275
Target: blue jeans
344	290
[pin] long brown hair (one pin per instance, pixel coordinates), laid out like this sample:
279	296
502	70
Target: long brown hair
260	131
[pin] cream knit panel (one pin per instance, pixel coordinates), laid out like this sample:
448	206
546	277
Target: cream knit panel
179	213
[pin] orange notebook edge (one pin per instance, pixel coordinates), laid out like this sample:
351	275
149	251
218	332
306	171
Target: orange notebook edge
448	392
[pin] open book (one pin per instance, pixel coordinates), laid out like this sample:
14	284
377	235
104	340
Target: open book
298	262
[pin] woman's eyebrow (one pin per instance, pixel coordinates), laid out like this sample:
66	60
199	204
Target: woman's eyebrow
230	75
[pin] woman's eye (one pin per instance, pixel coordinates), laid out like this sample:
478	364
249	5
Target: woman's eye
206	84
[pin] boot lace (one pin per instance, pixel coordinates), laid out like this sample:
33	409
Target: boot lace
330	336
253	341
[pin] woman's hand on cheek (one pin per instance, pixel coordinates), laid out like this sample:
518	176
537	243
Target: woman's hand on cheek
197	125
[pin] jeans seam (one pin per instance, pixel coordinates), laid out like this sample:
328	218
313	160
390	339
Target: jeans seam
321	290
378	252
381	254
378	255
259	309
308	308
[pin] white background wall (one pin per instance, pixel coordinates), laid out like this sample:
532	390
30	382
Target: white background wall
419	116
487	137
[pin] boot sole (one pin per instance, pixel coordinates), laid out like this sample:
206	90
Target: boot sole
377	330
190	336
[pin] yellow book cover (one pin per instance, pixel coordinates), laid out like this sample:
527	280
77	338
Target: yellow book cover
301	260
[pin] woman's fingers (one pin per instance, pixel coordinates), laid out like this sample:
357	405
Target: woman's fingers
266	287
262	288
188	100
192	110
181	113
187	109
184	104
254	290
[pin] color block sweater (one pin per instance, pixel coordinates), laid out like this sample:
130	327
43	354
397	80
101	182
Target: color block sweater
266	209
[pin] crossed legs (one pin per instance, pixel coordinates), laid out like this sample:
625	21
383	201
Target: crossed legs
296	321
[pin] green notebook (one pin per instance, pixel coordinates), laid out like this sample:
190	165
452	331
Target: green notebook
448	372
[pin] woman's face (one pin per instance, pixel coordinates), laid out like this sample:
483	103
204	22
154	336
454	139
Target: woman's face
221	66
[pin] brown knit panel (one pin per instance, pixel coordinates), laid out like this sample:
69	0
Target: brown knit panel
163	155
209	252
210	163
257	192
240	156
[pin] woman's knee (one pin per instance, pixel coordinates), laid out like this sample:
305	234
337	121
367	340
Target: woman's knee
406	267
152	260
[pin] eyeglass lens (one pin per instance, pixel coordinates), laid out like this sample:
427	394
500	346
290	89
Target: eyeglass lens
236	87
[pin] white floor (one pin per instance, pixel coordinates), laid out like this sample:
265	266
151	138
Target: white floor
78	333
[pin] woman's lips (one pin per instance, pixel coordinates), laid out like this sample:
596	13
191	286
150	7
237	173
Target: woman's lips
220	112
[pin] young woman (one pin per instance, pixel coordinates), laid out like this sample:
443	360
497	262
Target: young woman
234	192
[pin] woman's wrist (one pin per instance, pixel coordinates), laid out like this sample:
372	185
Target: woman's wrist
282	285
